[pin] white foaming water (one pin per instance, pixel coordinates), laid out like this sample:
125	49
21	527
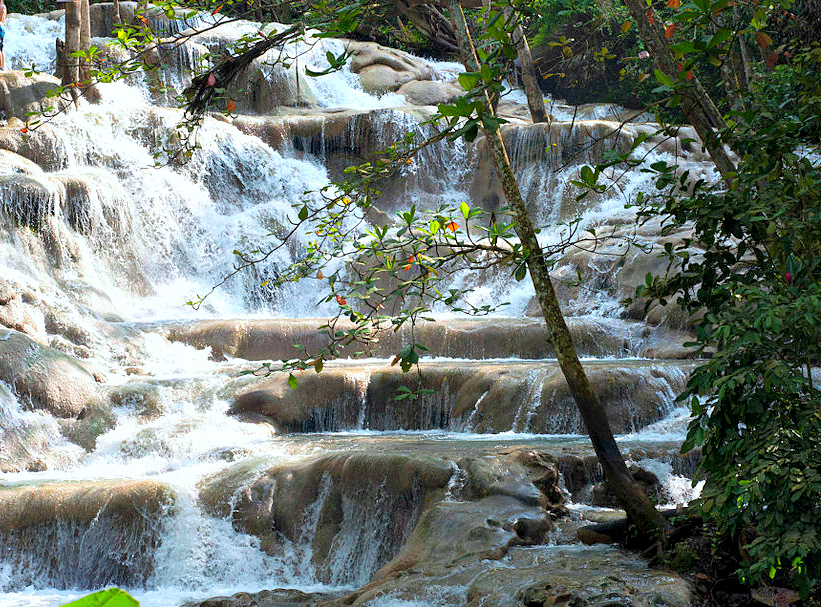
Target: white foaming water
30	42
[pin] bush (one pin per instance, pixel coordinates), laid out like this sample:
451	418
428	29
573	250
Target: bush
755	408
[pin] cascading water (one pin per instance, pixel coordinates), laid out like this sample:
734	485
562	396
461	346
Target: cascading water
99	251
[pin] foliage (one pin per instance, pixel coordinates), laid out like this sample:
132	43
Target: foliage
111	597
757	280
30	7
589	51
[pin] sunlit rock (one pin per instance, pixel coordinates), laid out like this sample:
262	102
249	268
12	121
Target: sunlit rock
430	92
21	94
51	380
382	69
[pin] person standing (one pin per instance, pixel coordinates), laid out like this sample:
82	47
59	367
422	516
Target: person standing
3	12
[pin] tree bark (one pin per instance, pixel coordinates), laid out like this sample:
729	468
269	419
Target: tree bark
89	90
697	104
530	81
116	19
71	64
650	523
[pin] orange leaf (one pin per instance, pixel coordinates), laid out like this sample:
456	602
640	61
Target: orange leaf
772	59
452	226
763	40
674	4
218	9
341	300
320	275
409	161
24	130
231	106
143	19
670	30
407	267
395	360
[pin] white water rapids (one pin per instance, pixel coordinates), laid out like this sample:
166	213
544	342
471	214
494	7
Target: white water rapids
150	239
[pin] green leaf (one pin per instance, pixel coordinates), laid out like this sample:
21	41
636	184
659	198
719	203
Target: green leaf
468	80
112	597
465	210
663	78
303	213
292	381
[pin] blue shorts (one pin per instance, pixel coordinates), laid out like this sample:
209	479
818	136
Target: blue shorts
2	35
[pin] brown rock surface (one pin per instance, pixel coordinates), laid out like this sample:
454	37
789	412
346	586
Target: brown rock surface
82	534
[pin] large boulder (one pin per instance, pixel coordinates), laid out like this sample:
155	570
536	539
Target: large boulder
21	94
46	378
382	69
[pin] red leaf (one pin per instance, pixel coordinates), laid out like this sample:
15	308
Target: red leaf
341	300
231	106
218	9
670	30
452	226
788	278
690	75
24	130
763	40
650	16
674	4
211	81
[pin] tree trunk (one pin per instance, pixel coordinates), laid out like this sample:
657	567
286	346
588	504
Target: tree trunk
85	36
116	19
698	107
89	90
530	81
640	510
71	64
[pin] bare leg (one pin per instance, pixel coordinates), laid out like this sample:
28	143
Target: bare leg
2	60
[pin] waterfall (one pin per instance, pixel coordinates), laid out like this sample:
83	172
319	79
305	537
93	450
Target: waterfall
182	480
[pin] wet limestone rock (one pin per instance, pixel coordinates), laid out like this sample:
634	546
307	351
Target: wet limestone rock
82	534
20	94
482	397
264	598
573	576
430	92
382	69
353	510
45	377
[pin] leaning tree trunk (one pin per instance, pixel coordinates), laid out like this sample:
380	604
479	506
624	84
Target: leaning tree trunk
697	104
641	512
71	63
530	81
